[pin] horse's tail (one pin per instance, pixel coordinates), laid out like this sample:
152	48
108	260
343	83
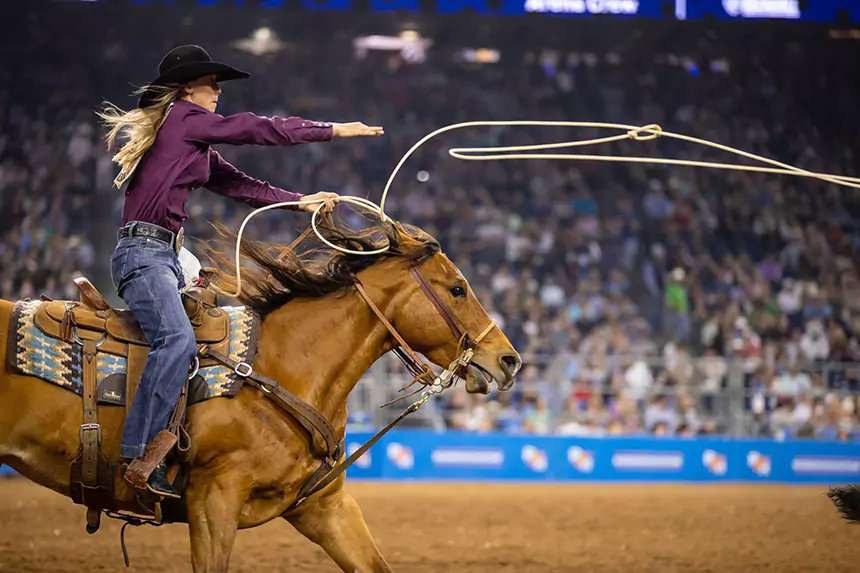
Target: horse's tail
846	498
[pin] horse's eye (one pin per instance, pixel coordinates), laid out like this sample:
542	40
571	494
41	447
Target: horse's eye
458	291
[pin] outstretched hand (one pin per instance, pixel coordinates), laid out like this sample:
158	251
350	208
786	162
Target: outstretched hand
329	200
356	129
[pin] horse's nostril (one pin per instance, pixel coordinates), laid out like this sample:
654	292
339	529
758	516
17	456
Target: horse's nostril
510	363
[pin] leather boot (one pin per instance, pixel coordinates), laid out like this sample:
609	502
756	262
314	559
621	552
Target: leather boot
159	484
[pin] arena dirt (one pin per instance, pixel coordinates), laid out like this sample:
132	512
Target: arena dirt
470	528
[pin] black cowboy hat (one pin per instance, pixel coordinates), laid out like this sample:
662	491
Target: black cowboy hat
185	64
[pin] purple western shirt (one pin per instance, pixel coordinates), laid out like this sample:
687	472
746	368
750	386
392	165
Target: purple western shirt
181	160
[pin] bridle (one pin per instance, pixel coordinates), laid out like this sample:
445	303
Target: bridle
421	371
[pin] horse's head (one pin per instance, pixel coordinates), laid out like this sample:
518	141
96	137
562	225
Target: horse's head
437	313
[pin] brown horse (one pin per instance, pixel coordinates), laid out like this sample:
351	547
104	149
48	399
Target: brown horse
317	338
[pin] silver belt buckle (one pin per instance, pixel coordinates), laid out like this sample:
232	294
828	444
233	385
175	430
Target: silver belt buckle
248	369
180	239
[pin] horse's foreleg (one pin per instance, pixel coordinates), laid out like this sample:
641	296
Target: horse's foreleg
213	517
335	523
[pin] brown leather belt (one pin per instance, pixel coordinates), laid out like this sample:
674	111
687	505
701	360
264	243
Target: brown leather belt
142	229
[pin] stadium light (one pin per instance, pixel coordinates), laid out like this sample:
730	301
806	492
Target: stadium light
411	45
479	55
262	41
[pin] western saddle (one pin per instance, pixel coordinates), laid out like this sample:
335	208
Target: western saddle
98	328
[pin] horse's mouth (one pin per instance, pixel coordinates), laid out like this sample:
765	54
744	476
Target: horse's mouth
479	379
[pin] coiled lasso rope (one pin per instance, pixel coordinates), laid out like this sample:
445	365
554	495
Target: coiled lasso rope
632	132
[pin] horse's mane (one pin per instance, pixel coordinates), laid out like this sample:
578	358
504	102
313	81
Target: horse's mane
273	275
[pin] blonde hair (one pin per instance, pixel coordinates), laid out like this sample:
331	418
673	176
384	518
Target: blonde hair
138	127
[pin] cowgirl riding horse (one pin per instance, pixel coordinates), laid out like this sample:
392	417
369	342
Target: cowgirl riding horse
167	155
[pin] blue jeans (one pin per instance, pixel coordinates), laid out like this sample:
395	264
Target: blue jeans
678	325
147	275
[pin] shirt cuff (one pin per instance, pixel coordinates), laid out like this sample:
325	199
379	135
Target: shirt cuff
317	130
290	196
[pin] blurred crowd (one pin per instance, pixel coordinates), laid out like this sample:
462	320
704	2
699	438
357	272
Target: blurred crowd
643	298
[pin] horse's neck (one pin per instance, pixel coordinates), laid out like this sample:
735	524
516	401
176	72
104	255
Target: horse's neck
320	348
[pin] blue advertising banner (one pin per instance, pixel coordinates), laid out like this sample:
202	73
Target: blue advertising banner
426	455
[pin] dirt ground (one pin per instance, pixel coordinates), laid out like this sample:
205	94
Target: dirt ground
471	528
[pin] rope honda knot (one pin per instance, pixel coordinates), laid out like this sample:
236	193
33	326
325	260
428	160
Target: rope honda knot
652	131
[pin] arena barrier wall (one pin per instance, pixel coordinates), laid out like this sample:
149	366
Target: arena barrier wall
427	455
